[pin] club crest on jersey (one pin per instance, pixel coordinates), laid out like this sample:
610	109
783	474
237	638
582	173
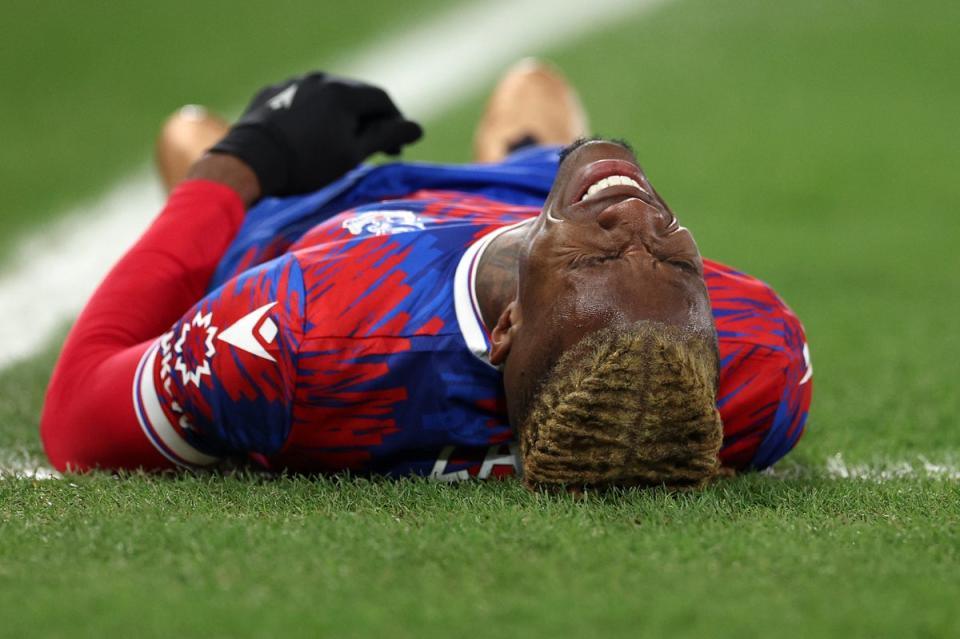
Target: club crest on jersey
387	222
194	348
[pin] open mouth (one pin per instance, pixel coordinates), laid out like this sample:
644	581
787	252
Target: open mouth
600	178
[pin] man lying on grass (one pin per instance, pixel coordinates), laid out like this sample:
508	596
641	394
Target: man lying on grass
291	309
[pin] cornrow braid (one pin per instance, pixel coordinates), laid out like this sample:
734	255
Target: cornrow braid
627	407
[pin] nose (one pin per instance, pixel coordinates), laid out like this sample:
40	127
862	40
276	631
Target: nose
634	216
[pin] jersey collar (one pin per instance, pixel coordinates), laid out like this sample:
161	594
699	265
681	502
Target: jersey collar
465	294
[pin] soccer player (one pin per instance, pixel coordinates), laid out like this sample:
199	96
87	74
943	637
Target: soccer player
542	311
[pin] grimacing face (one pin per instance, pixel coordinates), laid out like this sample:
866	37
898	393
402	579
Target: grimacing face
611	255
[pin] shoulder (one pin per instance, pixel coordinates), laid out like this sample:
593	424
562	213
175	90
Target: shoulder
727	284
744	304
760	336
219	382
765	376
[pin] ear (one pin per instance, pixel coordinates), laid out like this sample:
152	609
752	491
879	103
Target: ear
501	338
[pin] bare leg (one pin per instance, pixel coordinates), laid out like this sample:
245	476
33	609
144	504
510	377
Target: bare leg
532	103
184	138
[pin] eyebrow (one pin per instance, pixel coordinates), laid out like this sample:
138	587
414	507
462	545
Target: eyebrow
576	144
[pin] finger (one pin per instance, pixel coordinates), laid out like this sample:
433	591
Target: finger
389	135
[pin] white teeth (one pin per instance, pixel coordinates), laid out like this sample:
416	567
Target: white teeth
613	180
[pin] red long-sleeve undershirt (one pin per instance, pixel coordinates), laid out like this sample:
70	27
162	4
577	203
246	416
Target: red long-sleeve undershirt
88	418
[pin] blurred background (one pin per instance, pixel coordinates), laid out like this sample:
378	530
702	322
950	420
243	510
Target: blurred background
811	143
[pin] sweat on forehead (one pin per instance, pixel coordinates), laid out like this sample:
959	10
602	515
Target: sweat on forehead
576	144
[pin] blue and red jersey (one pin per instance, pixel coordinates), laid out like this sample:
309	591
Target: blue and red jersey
355	349
342	332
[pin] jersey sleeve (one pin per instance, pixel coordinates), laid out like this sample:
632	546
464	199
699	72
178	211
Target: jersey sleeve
220	382
88	419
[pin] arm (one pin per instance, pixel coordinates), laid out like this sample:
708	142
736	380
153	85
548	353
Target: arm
88	419
293	138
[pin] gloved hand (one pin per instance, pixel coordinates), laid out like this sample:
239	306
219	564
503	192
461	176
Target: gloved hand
305	133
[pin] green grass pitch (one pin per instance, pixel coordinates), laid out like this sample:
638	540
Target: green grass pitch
812	143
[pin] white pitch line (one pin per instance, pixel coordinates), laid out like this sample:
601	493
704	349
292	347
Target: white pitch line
837	468
434	66
29	472
20	465
427	69
922	467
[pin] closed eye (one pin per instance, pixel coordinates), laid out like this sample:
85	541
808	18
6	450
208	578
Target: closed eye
585	261
684	266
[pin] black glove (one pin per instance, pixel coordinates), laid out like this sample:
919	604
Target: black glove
305	133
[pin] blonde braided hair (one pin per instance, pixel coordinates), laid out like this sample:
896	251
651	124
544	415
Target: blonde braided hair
634	407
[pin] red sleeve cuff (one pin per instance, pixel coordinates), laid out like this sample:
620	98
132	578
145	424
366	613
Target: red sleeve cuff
199	193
